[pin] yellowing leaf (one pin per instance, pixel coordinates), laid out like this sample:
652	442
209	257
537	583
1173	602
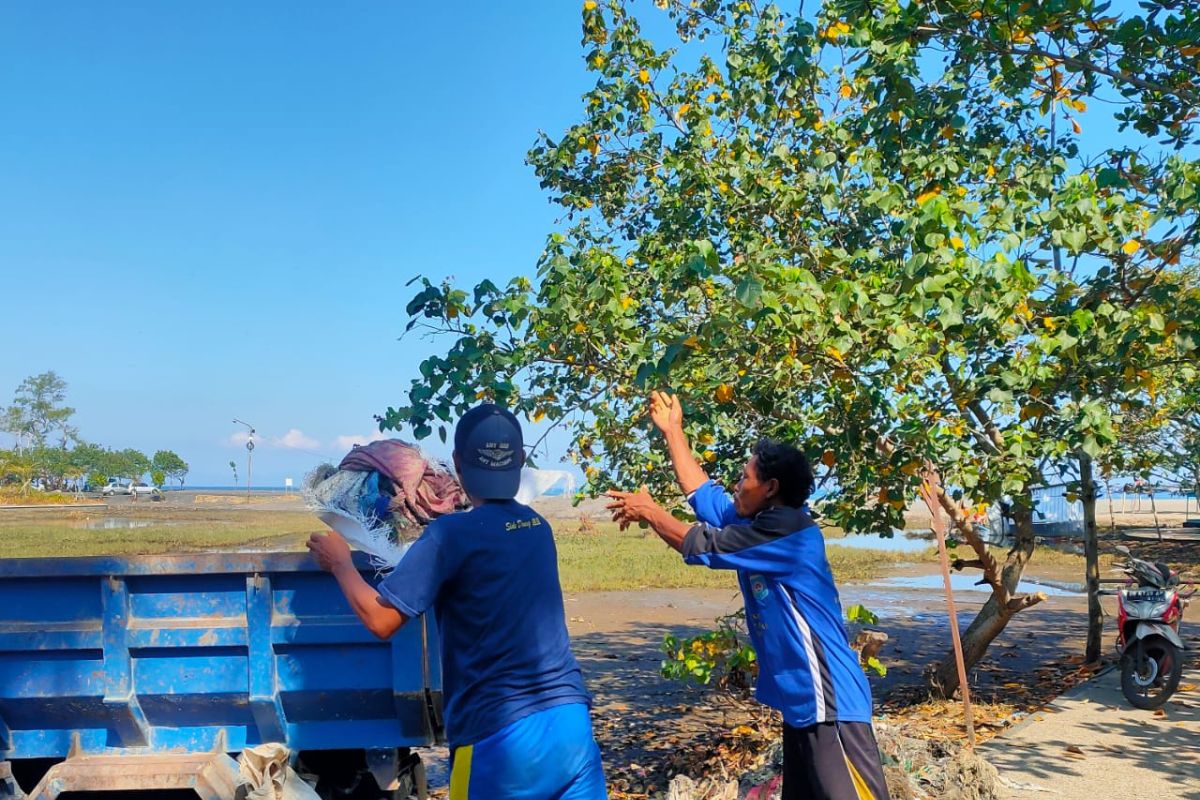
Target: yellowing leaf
836	31
1049	323
956	243
598	60
579	328
644	76
991	171
1131	247
925	197
589	5
710	456
1076	127
626	302
846	90
691	342
724	393
539	415
828	458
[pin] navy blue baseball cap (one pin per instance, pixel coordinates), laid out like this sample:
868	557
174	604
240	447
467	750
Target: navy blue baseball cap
491	452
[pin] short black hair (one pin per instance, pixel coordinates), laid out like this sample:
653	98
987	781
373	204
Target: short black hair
789	466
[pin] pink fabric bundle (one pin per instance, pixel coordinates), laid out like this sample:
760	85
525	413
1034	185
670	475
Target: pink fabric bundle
423	489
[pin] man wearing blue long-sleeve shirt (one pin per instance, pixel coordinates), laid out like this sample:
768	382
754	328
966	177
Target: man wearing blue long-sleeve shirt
806	667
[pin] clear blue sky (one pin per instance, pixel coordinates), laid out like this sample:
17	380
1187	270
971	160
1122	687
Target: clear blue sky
209	211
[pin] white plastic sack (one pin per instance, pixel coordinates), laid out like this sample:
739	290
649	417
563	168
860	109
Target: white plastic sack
536	483
266	775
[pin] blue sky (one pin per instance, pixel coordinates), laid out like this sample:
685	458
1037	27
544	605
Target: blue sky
209	211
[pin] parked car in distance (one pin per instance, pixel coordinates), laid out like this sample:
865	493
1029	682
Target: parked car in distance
140	489
116	487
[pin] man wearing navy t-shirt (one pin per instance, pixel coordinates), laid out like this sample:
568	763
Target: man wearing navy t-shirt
517	714
806	668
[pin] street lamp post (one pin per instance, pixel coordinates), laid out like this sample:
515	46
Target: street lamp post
249	455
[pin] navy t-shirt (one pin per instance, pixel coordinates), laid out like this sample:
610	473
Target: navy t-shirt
491	577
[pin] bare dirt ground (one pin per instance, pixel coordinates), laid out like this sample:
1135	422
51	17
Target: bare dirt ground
650	728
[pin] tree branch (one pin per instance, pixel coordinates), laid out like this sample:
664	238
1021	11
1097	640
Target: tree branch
1025	601
1071	61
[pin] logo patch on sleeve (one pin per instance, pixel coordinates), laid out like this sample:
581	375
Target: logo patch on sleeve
759	588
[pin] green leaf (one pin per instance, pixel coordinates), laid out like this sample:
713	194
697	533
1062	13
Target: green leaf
861	615
749	291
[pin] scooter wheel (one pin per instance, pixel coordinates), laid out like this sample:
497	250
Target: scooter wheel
1150	672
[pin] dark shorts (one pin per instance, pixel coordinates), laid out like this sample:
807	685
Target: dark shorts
832	761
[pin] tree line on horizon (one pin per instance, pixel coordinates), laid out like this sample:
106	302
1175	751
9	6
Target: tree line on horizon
48	450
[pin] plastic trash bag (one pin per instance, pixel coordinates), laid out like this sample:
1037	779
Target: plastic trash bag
265	774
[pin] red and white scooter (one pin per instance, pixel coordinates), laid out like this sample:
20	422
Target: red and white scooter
1149	609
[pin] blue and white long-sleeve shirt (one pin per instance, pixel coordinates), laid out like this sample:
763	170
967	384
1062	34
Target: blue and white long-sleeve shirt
806	667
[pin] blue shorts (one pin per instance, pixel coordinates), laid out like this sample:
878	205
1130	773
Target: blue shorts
549	755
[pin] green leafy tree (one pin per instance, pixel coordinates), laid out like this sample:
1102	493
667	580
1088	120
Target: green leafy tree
862	232
38	411
233	466
17	469
171	465
129	463
158	477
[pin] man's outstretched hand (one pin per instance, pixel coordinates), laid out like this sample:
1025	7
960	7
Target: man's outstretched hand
330	550
666	412
630	507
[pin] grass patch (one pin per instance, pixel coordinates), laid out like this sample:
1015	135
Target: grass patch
606	559
36	536
11	496
602	558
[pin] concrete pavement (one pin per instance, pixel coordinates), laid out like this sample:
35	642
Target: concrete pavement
1091	744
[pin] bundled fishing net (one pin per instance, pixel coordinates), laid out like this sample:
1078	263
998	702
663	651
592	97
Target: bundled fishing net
381	495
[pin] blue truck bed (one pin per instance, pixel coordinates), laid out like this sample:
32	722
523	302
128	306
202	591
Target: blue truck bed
202	653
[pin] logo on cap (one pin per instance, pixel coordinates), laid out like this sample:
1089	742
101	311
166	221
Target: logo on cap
495	455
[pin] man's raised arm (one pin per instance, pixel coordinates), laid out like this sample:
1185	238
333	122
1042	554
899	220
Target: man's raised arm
666	412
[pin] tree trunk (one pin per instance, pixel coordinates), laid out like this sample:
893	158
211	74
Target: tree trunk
1091	550
997	611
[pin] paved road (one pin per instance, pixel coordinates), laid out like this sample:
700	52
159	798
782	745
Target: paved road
1091	744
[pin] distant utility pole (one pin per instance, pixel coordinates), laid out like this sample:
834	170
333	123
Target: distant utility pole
249	455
